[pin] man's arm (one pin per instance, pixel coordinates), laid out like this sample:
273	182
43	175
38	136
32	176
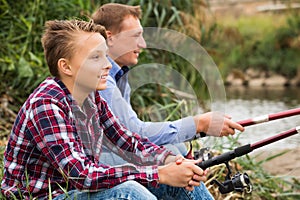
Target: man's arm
125	143
158	132
213	123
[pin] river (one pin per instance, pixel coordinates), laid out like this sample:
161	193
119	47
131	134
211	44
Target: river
244	103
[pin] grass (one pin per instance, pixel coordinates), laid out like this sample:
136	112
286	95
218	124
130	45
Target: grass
2	148
256	25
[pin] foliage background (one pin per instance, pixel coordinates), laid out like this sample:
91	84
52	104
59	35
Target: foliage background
247	42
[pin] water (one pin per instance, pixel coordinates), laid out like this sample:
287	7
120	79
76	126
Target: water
245	103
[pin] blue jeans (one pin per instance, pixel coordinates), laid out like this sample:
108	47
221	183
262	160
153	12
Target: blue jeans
131	190
165	192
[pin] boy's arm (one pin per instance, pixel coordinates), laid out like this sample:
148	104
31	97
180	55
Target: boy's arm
55	137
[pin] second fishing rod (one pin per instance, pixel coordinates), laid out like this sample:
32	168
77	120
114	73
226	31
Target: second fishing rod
241	181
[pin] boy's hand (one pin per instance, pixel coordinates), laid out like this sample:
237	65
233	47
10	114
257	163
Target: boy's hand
182	173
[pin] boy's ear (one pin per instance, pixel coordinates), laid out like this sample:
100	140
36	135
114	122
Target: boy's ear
109	39
63	67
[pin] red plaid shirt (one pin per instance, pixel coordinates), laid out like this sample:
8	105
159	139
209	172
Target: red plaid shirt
54	142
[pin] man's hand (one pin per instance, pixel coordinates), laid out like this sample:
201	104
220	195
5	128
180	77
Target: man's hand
182	173
216	124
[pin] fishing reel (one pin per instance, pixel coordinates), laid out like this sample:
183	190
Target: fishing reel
203	154
238	183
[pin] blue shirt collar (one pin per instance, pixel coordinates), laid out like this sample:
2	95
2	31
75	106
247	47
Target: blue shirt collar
114	67
116	71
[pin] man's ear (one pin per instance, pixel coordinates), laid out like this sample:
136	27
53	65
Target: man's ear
63	67
110	40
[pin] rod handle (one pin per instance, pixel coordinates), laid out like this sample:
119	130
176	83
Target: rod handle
239	151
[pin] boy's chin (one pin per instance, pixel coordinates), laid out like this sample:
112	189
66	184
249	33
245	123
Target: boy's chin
102	87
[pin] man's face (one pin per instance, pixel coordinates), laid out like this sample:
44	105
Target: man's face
127	44
90	63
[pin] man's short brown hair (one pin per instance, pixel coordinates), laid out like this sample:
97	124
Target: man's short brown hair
111	15
58	39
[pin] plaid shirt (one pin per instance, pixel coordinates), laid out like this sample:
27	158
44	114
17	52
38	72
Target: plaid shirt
56	143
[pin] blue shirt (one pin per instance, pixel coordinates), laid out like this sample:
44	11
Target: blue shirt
117	95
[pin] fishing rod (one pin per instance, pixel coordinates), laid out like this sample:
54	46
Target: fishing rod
270	117
246	122
240	182
264	118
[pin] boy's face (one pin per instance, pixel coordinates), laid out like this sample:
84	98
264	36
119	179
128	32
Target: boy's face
127	44
90	63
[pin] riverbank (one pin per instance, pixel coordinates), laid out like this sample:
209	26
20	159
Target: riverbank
258	78
285	166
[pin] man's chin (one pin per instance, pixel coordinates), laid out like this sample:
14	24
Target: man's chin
135	62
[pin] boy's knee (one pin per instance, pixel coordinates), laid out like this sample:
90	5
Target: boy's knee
138	191
134	186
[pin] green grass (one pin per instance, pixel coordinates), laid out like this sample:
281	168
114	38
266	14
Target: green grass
256	25
2	148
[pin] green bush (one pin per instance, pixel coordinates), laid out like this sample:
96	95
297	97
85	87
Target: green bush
21	56
255	42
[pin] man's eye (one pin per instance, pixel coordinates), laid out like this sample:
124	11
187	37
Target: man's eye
137	35
96	57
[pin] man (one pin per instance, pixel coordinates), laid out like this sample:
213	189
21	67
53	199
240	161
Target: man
125	41
54	148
